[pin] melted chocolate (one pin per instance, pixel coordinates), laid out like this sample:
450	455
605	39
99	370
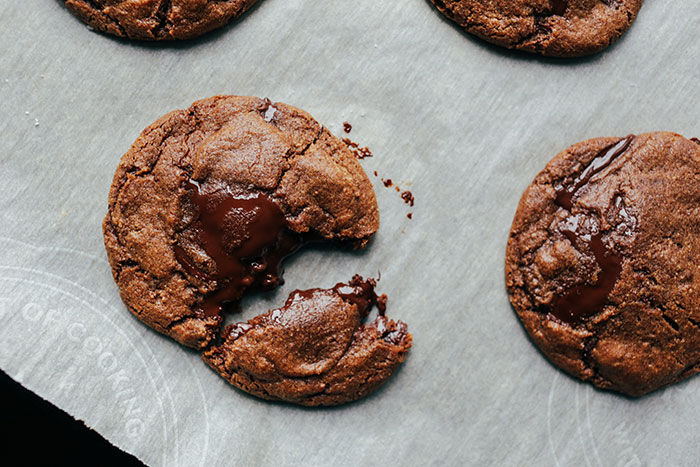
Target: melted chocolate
585	300
559	7
237	330
695	140
358	291
565	194
245	235
361	293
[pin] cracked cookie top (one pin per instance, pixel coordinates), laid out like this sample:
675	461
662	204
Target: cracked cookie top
315	349
602	261
157	19
558	28
208	202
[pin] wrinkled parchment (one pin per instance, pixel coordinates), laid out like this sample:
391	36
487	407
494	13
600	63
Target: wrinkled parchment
464	125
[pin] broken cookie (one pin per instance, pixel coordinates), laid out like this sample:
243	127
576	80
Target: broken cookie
207	204
314	350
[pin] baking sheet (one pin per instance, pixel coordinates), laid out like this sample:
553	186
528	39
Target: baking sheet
464	125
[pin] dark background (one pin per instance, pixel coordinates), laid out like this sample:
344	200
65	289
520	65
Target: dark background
36	432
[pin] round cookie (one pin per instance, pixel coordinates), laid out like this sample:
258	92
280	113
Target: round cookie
314	350
557	28
157	19
208	202
602	261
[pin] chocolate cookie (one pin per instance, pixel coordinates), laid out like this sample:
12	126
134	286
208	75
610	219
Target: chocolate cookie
314	350
157	19
602	261
208	202
558	28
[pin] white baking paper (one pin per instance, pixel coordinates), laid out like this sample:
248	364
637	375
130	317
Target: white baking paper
464	125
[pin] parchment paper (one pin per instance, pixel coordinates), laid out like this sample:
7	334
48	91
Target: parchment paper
465	125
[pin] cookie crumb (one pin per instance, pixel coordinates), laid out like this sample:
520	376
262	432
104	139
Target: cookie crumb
408	198
406	195
376	174
347	128
359	152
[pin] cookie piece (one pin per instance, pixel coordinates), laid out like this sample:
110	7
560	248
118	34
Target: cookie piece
314	350
557	28
157	19
209	200
602	261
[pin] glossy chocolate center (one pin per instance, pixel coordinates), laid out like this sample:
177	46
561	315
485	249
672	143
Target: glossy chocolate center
585	300
245	235
565	194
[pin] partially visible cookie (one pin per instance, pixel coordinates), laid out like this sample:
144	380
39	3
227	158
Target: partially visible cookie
603	261
157	19
558	28
208	202
315	349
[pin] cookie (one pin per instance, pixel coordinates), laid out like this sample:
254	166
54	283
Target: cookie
557	28
208	202
157	19
602	261
314	350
